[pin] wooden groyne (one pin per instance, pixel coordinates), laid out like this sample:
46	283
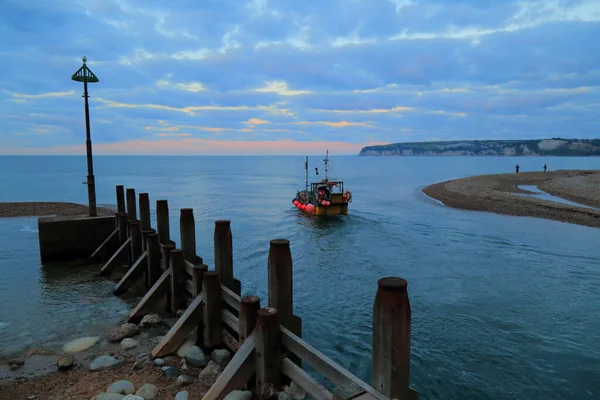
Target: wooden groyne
266	339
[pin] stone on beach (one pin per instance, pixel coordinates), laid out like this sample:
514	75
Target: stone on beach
65	362
121	387
132	397
16	363
159	362
295	391
221	357
105	362
123	331
128	343
239	395
196	357
208	376
171	372
108	396
80	344
150	320
148	392
184	380
182	395
186	346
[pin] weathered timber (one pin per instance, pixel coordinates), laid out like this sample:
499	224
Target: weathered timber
347	391
249	306
178	289
181	330
305	381
230	341
187	231
110	239
122	227
223	243
230	320
131	204
162	221
122	251
165	264
232	299
323	364
136	239
280	278
211	320
391	338
153	296
120	199
153	250
134	273
268	350
144	201
236	374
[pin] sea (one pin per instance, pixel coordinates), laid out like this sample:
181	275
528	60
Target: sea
502	307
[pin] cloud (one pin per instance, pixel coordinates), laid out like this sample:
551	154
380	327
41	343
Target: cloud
209	76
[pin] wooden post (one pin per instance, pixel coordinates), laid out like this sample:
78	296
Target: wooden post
178	290
120	199
162	221
280	284
144	211
131	206
224	256
391	339
122	223
249	306
165	263
268	350
197	278
154	270
136	239
211	321
187	230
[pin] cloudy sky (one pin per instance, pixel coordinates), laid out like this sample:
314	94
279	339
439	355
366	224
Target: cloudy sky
294	77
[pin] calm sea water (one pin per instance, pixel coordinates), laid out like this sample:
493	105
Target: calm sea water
503	307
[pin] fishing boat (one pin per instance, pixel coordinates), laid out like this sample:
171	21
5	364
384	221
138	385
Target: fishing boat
325	197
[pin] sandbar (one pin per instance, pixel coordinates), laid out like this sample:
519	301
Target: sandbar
497	193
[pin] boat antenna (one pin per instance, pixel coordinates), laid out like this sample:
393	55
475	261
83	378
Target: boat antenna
306	168
326	160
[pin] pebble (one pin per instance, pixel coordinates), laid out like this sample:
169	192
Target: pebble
268	391
128	343
171	372
283	396
108	396
80	344
185	347
132	397
65	362
105	362
209	375
148	392
295	391
182	395
141	360
239	395
221	357
17	361
123	331
121	387
159	362
184	380
150	320
196	357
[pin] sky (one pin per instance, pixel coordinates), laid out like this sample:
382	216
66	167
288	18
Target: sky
266	77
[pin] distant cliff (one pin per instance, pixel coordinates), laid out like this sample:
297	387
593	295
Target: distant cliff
540	147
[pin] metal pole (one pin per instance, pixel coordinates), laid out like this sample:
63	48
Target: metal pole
91	184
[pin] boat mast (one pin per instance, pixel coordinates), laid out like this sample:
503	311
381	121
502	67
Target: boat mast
326	160
306	168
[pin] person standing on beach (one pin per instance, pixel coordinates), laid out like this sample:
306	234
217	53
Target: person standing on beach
517	168
545	167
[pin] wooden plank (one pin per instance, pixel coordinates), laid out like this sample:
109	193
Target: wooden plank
155	293
230	341
347	391
135	272
323	364
181	330
124	249
189	286
305	381
230	320
189	267
230	297
236	373
106	241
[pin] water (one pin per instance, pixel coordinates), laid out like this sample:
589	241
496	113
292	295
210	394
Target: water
503	307
540	194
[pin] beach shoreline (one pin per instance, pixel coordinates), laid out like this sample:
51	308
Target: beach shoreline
500	194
